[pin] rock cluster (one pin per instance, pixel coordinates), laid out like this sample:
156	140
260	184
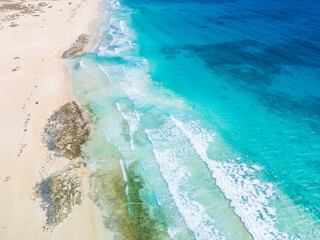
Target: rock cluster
66	130
64	133
77	47
58	193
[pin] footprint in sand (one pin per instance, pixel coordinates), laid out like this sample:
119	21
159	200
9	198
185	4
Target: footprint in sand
7	179
16	69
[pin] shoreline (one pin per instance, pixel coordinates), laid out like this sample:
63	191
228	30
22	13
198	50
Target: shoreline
36	82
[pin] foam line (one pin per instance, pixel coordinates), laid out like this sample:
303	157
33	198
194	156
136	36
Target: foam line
249	196
176	176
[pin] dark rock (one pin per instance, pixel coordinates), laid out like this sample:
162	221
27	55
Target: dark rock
58	194
77	47
66	130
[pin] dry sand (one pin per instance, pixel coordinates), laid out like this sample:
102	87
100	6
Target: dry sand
34	82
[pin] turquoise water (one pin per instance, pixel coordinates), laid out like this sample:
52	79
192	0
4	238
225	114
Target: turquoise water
210	112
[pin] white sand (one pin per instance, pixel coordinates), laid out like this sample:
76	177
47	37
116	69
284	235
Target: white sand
38	43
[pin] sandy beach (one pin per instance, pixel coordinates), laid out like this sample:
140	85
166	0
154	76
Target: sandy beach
34	83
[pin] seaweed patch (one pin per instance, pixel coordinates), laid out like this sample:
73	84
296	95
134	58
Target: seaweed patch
125	214
146	227
58	194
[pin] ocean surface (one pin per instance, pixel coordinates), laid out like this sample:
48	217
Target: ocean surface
205	118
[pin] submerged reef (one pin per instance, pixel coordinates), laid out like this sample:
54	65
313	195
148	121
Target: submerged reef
58	194
127	215
108	192
66	130
146	226
77	47
125	200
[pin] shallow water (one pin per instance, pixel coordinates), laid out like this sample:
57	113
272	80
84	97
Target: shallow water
209	114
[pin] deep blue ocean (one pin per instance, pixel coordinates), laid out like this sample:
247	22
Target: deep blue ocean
212	110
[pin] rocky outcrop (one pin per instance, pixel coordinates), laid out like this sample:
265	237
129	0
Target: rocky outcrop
58	194
66	130
64	133
77	47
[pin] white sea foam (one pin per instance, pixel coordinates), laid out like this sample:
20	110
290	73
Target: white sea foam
105	134
173	232
133	121
124	174
176	175
119	33
125	29
116	90
249	196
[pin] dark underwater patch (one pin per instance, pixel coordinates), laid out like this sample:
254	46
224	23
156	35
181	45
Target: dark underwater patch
128	216
253	66
147	227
